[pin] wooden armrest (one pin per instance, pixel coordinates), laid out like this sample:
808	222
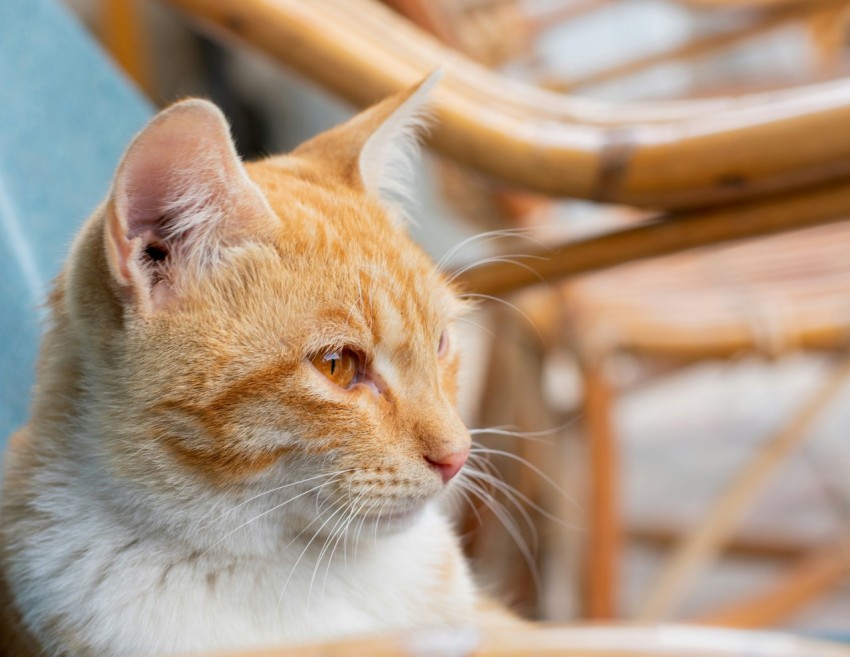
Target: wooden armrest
664	155
601	641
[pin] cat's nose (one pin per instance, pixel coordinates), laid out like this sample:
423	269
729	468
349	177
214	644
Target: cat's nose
449	465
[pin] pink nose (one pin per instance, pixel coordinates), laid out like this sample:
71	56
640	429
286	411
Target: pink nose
448	466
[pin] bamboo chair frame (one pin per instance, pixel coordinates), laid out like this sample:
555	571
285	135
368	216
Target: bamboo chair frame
701	547
809	578
122	36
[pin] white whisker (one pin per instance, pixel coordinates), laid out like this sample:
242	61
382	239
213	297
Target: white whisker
505	302
509	495
509	526
274	508
303	552
486	237
507	259
480	449
508	489
273	490
534	436
481	327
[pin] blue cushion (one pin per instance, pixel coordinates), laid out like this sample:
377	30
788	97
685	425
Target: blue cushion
838	637
66	115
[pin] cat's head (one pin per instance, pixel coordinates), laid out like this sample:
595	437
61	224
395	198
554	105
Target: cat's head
273	322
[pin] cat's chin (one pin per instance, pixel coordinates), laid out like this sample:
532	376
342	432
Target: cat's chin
394	521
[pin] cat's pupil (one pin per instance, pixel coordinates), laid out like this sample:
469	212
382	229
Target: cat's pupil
339	367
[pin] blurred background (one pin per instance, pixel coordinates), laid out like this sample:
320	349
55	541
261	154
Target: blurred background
669	439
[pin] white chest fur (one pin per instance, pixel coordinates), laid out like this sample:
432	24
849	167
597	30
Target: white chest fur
118	595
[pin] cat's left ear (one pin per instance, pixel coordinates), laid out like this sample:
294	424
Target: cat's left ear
379	148
179	194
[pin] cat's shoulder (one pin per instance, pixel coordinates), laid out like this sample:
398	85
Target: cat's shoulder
15	640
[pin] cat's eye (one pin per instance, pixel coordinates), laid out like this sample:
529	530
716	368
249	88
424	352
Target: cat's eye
443	345
341	366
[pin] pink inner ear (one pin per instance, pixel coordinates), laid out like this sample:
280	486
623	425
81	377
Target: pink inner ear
171	181
171	170
179	193
146	200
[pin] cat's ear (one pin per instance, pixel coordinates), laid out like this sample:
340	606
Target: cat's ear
179	192
388	160
378	149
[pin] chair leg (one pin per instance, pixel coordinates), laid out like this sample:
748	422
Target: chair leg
125	36
604	526
702	545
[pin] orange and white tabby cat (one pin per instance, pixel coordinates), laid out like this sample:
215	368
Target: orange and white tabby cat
245	411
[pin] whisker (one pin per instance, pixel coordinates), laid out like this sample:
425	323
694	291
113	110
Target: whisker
328	539
509	526
510	497
339	528
480	449
505	487
478	325
375	525
506	431
507	259
257	517
486	237
273	490
461	491
352	515
480	460
365	500
303	552
360	528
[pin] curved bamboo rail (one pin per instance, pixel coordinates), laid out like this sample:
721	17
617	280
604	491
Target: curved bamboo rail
665	155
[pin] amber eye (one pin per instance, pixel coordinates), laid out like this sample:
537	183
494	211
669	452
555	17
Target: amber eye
340	367
443	345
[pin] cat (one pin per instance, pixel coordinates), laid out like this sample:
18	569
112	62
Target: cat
244	419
